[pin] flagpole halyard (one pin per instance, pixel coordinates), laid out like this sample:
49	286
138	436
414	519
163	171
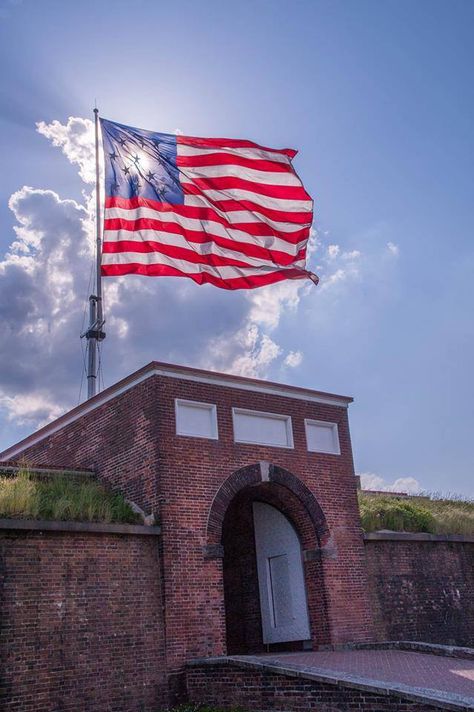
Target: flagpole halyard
94	333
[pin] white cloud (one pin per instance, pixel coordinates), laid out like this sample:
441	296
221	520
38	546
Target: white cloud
371	481
393	249
76	140
293	359
268	303
333	251
34	408
352	255
340	275
248	352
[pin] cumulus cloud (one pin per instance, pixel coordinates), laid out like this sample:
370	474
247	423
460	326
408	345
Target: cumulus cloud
268	304
333	251
76	140
371	481
34	409
293	359
352	255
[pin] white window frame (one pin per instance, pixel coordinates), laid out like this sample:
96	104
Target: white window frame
276	416
335	436
211	407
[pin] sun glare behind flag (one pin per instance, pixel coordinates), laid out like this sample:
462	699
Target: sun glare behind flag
224	211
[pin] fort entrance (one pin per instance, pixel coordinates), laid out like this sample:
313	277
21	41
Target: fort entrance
272	572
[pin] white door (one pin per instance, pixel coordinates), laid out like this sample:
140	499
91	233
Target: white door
280	577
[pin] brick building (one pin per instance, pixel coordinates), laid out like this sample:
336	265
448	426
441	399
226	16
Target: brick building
253	486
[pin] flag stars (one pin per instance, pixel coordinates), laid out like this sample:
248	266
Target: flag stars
150	175
126	170
113	155
136	159
136	185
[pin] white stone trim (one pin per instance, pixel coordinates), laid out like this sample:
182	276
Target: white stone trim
211	407
335	435
212	379
275	416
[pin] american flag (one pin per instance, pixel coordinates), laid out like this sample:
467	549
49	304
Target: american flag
223	211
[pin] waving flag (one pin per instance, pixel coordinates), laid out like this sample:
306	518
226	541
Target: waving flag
222	211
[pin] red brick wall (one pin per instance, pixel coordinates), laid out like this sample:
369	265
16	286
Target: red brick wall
132	443
80	623
422	591
118	440
229	686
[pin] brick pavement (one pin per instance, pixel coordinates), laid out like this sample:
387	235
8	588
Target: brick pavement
429	672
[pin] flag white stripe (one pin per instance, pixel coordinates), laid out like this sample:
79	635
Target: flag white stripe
255	153
265	201
200	248
250	174
213	227
245	216
224	272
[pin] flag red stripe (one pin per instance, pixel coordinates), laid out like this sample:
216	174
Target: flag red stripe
231	205
229	159
230	143
209	212
279	258
286	192
157	270
261	229
180	253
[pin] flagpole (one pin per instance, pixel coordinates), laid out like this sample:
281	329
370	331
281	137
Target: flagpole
94	334
97	219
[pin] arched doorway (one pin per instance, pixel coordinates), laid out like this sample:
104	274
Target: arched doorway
274	592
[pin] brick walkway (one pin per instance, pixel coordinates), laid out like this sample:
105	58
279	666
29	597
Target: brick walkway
417	670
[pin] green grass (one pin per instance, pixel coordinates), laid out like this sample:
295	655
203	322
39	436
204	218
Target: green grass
61	497
435	514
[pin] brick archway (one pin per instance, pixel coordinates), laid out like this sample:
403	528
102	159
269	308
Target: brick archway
253	475
230	540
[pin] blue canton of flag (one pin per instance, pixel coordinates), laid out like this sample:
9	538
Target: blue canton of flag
140	163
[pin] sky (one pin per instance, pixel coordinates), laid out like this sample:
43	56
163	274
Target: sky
376	95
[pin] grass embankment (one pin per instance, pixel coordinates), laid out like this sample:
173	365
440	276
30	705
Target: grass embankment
61	497
431	513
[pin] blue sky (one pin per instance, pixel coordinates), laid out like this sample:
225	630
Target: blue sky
377	97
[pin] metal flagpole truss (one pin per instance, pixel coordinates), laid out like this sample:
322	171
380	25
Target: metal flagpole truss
94	333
